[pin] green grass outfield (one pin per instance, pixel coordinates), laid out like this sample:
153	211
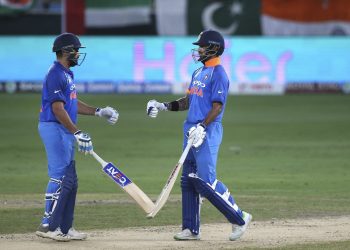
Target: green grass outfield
281	157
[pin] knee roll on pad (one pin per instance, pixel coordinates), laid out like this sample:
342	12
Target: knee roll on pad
219	196
186	183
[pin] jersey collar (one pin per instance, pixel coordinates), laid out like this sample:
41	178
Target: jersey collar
58	64
212	62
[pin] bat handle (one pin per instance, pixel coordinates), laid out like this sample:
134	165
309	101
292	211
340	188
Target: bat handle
99	159
185	152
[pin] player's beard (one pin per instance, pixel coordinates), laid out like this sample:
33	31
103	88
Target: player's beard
76	60
206	54
73	60
73	63
199	56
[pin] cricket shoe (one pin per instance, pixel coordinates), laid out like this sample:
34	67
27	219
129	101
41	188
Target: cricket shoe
43	231
238	231
186	234
76	235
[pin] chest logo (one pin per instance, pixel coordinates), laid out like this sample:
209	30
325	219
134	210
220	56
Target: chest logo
198	84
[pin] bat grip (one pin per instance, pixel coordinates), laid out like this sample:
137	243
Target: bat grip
185	152
99	159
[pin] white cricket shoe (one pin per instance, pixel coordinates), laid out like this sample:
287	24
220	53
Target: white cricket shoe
76	235
186	234
238	231
54	235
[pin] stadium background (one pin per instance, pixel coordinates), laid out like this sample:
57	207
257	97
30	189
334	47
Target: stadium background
134	47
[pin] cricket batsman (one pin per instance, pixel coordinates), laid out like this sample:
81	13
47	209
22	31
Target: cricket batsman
205	101
59	133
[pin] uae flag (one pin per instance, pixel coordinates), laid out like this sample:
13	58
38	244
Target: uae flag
116	17
305	17
110	17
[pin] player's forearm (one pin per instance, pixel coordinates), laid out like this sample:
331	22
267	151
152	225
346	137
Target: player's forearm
63	117
178	105
213	113
84	109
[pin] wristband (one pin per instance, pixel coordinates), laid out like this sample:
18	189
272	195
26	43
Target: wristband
203	125
78	132
172	106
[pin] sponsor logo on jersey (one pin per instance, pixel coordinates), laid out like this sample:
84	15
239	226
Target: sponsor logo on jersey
196	88
73	93
198	83
69	78
195	91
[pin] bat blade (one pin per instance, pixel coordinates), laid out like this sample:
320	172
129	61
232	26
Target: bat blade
164	195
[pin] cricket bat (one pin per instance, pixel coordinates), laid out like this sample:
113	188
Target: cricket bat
164	195
126	184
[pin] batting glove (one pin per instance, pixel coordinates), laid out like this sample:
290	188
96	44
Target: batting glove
198	134
109	113
84	142
153	107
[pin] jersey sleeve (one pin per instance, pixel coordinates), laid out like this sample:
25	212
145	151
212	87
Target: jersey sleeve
220	85
55	86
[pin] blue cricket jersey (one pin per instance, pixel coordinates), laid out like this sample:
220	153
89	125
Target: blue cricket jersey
208	85
58	86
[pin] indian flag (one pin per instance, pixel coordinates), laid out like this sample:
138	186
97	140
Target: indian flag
305	17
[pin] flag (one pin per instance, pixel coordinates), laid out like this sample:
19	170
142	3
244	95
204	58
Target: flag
106	16
305	17
190	17
9	6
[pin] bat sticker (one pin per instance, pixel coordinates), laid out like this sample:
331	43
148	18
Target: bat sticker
117	175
